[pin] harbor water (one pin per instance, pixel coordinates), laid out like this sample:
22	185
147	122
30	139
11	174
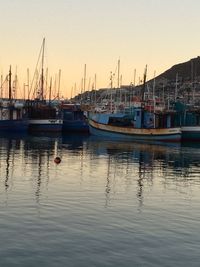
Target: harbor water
105	204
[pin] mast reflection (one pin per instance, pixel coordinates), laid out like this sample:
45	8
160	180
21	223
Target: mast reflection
9	146
144	163
121	166
27	158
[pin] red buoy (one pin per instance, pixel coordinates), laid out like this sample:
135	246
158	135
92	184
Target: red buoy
57	160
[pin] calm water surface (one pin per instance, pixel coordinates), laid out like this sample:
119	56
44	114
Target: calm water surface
105	204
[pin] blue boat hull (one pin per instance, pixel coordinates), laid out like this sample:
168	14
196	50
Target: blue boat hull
75	126
191	133
45	128
13	125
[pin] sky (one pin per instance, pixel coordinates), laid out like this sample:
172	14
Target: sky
156	33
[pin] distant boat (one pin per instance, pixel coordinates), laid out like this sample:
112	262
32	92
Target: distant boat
12	113
43	117
74	119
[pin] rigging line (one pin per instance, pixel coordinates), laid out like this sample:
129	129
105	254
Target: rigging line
6	79
5	82
35	72
18	86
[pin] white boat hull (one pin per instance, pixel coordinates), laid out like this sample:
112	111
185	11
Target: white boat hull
46	125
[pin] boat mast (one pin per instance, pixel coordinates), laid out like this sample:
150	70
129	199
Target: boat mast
46	79
10	92
81	91
42	74
134	77
154	98
50	90
111	87
176	88
121	93
142	97
9	85
59	75
133	85
27	85
144	83
95	88
1	86
15	85
84	79
74	89
118	74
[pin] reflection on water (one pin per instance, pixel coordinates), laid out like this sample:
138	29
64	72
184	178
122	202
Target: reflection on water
28	157
145	161
103	196
34	155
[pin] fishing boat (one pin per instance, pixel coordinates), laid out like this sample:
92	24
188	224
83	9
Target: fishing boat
13	117
74	119
139	122
138	126
188	117
43	116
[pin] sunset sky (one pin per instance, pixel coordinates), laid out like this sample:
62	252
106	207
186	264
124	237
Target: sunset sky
159	33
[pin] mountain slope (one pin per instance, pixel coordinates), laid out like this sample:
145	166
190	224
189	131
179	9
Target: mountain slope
187	71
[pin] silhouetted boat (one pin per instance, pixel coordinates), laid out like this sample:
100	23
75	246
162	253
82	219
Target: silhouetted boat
43	117
12	113
74	119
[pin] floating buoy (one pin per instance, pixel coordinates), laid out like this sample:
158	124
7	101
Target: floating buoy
57	160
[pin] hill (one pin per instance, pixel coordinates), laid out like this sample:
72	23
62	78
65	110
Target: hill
181	80
187	71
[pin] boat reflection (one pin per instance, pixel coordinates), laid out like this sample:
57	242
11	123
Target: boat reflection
142	164
25	157
122	165
74	142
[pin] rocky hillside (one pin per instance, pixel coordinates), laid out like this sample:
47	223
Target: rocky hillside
187	71
181	80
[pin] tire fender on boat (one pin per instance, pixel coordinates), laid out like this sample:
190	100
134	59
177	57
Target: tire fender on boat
3	113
